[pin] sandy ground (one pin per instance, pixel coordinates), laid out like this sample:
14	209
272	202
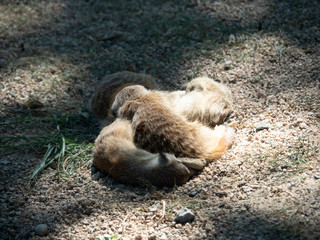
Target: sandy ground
267	186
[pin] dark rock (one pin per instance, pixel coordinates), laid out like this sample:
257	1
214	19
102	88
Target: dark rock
41	229
241	183
221	194
185	216
193	193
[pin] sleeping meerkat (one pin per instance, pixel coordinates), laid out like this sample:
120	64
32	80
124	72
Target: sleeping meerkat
205	101
157	128
116	155
106	91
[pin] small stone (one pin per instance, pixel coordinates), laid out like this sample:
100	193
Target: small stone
232	39
303	125
297	122
246	189
221	194
262	125
227	65
155	207
193	193
41	229
316	176
184	216
241	183
42	199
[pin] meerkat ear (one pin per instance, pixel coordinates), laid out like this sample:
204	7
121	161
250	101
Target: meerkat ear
128	110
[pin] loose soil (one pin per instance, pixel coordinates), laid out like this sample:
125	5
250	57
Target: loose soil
53	53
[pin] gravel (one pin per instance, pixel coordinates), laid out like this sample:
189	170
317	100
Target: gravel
265	187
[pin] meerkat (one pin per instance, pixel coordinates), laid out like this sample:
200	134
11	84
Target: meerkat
131	165
106	91
158	128
115	154
205	101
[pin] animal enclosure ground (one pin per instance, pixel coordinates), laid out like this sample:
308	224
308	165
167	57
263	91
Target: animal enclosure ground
52	53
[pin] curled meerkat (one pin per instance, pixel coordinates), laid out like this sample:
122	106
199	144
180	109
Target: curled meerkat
205	101
157	128
115	154
106	91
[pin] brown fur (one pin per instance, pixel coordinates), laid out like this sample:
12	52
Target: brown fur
106	91
159	129
115	154
204	100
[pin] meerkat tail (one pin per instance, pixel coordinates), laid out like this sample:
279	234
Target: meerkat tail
223	139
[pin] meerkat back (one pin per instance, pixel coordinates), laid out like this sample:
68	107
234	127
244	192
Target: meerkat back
157	128
115	154
106	91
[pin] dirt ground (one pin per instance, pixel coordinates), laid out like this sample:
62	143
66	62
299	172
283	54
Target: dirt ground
53	53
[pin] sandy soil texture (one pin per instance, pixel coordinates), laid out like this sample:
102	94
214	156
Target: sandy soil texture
53	53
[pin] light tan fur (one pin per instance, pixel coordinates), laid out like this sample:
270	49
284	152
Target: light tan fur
106	91
116	155
205	101
157	128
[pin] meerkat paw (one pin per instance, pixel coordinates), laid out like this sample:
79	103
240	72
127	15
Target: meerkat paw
193	163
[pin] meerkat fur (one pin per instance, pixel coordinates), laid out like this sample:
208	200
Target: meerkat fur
157	128
205	101
106	91
115	154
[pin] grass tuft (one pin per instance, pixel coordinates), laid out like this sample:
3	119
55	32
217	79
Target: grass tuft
66	149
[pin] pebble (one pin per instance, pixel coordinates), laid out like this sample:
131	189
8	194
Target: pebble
41	229
262	125
184	216
242	183
193	193
303	125
227	65
221	194
317	176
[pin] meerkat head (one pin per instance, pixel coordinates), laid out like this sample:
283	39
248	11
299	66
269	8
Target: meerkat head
201	84
127	94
